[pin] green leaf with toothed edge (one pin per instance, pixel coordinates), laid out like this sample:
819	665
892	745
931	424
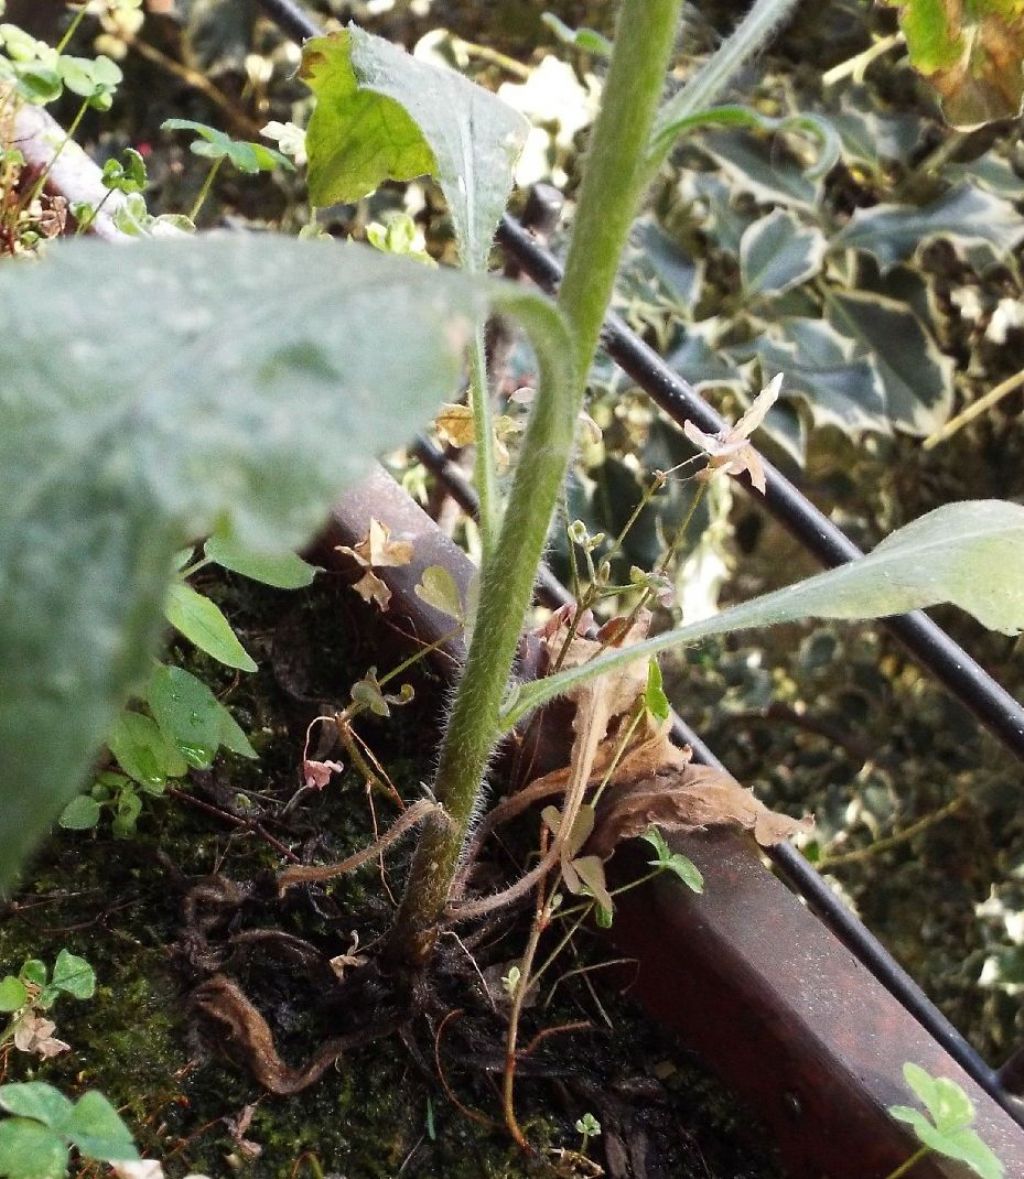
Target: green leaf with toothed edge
205	385
384	115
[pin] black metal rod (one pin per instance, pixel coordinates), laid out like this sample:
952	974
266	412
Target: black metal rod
962	675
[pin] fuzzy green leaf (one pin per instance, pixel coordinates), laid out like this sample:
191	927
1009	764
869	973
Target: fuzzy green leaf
383	115
970	554
151	398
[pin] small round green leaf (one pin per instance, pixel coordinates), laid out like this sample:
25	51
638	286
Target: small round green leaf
31	1151
73	975
81	814
36	1099
12	993
96	1128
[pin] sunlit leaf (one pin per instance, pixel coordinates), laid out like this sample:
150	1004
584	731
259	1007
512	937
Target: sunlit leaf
971	52
383	115
438	589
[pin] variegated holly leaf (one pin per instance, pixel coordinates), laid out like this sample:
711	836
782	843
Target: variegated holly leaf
963	216
777	253
838	389
917	379
971	52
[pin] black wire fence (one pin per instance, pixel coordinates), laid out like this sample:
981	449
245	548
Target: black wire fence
930	646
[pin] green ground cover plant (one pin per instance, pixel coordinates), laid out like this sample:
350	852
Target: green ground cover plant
195	419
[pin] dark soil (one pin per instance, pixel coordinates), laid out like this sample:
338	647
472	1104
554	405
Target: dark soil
175	905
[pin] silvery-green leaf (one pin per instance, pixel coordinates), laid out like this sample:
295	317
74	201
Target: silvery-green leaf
713	208
970	554
758	166
681	275
382	115
838	391
777	253
156	393
962	216
916	377
703	365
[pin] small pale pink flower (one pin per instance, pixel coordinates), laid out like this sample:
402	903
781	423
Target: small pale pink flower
317	774
730	450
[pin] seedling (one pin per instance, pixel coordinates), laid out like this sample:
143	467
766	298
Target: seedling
25	996
588	1127
215	145
948	1128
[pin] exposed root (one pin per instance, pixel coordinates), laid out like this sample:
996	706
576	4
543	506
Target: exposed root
222	1001
303	874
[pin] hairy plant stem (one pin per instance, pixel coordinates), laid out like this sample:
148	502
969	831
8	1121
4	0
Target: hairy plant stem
484	468
750	35
613	183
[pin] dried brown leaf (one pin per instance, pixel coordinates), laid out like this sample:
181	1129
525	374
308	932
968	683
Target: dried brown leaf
454	425
681	797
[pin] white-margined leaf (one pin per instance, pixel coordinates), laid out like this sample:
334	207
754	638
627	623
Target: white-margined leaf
963	216
916	377
777	253
759	167
839	391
